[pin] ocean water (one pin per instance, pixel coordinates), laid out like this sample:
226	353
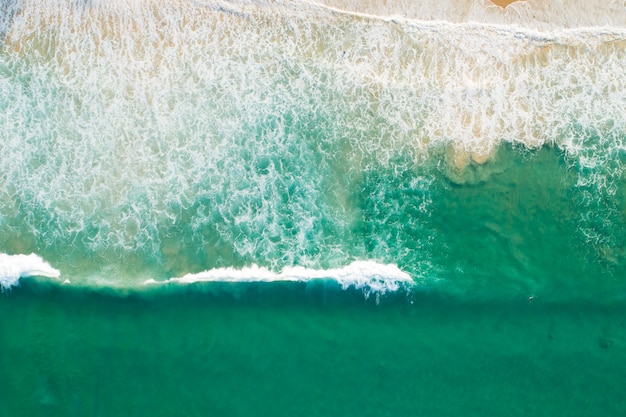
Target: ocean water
296	208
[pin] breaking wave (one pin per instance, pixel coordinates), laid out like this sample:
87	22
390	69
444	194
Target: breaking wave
368	276
14	267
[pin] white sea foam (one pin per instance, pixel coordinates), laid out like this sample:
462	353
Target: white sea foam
124	119
369	276
14	267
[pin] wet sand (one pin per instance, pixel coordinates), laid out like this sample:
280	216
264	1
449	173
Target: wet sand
502	3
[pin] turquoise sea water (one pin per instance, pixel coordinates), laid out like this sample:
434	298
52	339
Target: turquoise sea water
294	349
277	209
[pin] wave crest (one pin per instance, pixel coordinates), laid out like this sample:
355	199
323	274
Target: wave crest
14	267
369	276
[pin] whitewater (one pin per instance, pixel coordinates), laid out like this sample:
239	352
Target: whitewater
177	141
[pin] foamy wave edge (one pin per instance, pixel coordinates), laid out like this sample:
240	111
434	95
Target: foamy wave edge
369	276
14	267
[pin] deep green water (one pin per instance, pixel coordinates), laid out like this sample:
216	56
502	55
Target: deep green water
307	350
396	217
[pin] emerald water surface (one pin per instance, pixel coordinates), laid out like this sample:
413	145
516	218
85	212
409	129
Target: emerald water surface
287	350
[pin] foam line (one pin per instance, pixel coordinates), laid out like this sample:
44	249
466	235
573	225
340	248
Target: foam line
14	267
366	275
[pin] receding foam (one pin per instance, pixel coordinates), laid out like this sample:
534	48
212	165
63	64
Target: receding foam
14	267
369	276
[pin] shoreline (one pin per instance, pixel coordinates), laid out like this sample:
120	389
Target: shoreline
543	16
